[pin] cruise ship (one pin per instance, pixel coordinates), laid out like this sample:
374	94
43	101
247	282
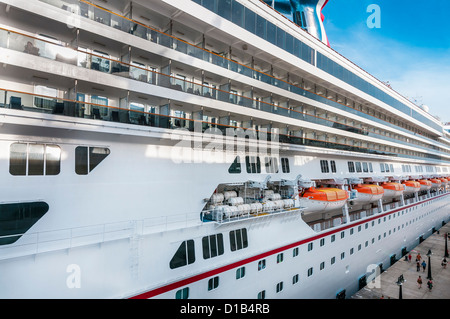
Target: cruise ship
202	149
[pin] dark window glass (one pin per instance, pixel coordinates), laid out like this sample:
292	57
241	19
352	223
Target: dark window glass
184	255
237	13
36	159
365	167
250	20
182	293
212	246
81	160
33	154
333	166
280	38
271	34
235	167
210	5
324	166
285	165
52	159
253	164
213	283
224	9
89	158
16	219
260	26
289	46
238	239
18	159
96	155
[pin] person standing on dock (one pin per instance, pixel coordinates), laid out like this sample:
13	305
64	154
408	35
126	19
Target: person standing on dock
419	282
418	265
424	265
430	285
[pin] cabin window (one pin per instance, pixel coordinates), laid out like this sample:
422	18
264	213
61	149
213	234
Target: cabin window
333	166
280	258
382	167
271	164
295	279
310	246
295	252
351	167
324	166
279	286
212	246
240	272
88	158
358	167
365	167
238	239
17	218
182	293
213	283
310	271
235	167
184	255
253	164
261	264
262	294
34	159
370	168
285	165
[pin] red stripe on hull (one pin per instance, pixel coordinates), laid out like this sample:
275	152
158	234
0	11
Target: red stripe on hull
213	272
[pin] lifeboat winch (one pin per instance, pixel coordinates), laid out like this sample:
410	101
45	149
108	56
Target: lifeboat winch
392	189
322	199
411	187
424	184
367	193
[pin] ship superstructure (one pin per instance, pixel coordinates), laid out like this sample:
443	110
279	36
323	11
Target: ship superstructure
201	149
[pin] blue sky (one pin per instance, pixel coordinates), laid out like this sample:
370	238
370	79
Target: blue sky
411	49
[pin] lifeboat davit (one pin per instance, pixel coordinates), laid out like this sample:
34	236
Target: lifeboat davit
411	187
368	193
424	184
392	189
435	183
322	199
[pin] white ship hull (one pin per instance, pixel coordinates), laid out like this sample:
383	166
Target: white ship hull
96	243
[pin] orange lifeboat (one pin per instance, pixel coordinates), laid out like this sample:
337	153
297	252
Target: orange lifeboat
392	189
425	184
411	187
435	183
367	193
444	181
322	199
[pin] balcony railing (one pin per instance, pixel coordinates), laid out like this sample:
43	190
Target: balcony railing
53	105
83	58
112	19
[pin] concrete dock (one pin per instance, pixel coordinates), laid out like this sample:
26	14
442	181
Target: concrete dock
386	287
